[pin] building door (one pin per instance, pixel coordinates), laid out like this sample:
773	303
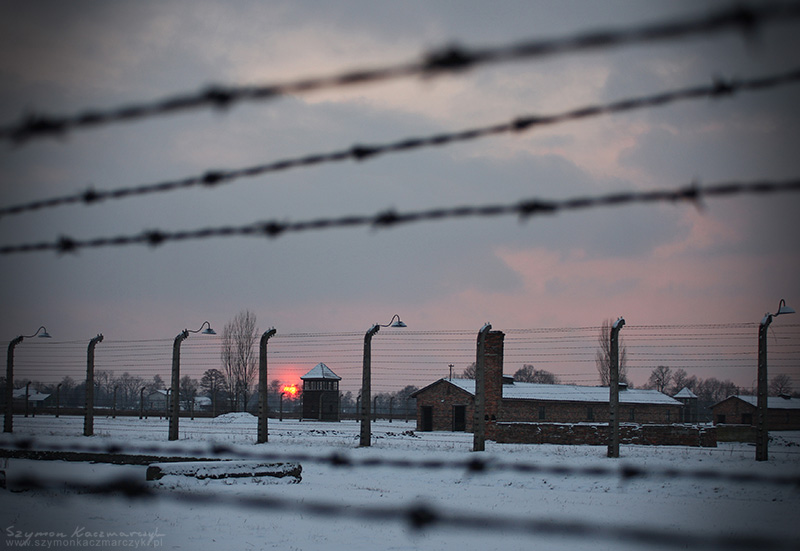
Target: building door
459	418
427	418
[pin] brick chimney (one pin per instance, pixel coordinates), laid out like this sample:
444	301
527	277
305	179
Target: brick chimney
493	364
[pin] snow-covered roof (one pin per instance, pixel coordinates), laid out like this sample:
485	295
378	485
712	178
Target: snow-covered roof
321	371
33	395
571	393
773	402
685	393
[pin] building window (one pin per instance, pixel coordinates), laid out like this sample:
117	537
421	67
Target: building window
721	418
669	416
631	415
590	413
747	418
541	413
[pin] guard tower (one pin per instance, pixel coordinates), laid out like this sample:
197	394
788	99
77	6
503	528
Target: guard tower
321	394
689	400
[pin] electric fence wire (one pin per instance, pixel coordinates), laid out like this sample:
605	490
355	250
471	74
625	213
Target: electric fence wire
427	353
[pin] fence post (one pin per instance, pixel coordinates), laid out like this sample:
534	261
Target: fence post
613	390
478	419
88	414
263	406
114	404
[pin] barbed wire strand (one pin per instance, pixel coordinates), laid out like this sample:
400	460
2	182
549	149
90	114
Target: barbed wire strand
213	178
419	516
449	59
525	209
625	472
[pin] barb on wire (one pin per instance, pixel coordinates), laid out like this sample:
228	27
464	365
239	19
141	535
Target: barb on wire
28	448
448	59
524	209
212	178
419	516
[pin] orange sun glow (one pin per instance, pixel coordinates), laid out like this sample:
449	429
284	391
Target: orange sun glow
290	389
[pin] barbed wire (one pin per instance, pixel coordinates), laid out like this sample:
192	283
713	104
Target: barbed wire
419	516
449	59
525	209
625	472
213	178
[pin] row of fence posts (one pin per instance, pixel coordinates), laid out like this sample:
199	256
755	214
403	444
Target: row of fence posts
363	402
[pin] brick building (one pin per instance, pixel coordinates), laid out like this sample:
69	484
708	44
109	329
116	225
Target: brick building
448	404
783	412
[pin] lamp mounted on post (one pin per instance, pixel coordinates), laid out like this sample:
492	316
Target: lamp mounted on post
175	398
366	378
8	421
762	430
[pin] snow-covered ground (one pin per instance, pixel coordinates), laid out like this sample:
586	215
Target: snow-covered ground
477	503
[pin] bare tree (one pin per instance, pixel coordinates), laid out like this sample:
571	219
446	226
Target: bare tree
129	386
713	390
681	380
156	384
213	384
239	356
660	378
780	384
529	374
188	391
603	356
103	383
469	372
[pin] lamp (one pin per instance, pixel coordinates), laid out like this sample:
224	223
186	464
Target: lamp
175	398
8	421
762	431
782	309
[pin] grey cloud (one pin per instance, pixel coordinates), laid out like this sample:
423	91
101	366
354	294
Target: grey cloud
404	265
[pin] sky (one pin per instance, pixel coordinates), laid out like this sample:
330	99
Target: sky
729	261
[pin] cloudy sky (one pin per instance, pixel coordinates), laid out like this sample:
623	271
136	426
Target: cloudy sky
730	261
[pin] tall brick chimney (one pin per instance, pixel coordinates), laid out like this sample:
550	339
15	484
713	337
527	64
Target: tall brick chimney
493	364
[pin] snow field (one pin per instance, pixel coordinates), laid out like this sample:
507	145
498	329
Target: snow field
680	504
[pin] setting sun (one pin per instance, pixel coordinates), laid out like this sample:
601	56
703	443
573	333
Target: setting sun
290	389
